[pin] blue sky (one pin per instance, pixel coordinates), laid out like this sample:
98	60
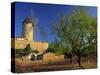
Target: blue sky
45	15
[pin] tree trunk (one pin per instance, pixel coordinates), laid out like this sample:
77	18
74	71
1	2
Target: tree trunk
22	56
71	60
79	61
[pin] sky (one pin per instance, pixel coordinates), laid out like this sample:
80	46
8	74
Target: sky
45	15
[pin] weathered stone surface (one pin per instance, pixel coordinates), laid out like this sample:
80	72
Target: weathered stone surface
52	57
20	43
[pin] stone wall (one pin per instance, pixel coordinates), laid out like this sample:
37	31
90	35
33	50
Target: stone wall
52	57
20	43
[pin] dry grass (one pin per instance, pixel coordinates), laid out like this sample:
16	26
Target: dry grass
42	65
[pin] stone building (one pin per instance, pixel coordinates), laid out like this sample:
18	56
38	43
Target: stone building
27	38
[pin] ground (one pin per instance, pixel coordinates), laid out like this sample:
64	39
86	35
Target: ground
42	65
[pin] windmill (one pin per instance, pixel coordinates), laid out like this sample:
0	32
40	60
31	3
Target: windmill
39	32
35	28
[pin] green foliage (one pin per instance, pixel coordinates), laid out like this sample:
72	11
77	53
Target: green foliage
57	47
23	52
18	53
76	30
51	50
77	33
36	51
27	50
53	47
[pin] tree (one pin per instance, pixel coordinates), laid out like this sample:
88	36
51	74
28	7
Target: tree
78	33
56	47
27	50
36	51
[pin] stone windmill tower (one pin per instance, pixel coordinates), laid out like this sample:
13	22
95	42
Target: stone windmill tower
27	29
